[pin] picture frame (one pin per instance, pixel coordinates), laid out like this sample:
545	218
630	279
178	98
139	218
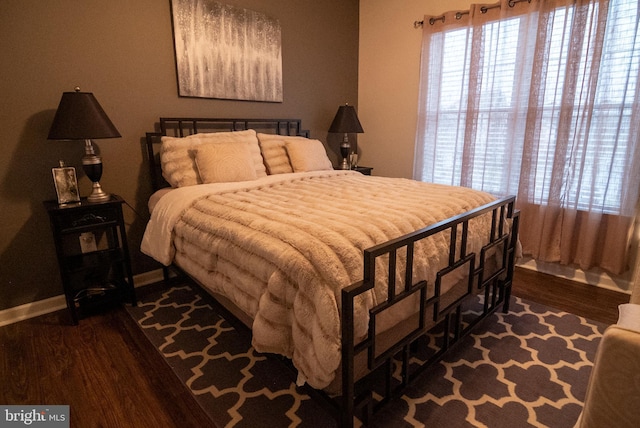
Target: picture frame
66	183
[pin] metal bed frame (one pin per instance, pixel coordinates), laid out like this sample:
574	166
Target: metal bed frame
487	288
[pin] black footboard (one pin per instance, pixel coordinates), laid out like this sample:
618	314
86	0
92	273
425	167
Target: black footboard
488	287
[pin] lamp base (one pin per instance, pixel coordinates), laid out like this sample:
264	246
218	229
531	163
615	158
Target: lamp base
344	152
98	195
92	165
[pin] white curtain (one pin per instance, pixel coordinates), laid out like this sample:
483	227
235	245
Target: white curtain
540	99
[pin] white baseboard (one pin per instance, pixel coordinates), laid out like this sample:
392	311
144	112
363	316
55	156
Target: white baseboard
31	310
56	303
147	278
596	278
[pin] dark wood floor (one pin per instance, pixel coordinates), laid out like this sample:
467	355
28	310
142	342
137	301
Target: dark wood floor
591	302
110	375
104	369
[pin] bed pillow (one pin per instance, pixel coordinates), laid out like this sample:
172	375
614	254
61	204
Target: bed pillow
250	137
177	155
307	155
274	153
225	162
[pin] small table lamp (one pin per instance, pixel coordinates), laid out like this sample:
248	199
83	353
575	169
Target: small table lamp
346	121
80	117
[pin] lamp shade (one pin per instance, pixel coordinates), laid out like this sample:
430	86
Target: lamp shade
80	117
346	121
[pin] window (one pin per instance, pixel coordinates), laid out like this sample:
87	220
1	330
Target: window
543	105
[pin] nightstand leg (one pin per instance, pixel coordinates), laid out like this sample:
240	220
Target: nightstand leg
71	306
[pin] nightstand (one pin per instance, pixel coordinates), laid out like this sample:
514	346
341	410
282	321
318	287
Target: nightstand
93	254
366	170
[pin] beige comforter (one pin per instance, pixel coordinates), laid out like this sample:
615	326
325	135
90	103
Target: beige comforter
282	248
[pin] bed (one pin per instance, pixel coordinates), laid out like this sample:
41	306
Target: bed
344	275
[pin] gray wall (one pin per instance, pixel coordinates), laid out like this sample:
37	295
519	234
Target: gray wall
122	51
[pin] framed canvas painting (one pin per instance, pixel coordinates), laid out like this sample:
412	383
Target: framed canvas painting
226	52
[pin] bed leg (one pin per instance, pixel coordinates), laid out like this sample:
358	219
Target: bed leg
507	298
366	412
348	377
513	245
347	411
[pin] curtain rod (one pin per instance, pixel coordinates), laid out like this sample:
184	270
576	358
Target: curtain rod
458	15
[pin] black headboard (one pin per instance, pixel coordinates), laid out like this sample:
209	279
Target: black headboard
184	126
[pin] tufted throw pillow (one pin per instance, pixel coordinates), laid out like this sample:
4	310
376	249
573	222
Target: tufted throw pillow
225	162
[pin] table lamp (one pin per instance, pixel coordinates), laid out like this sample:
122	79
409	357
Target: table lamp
346	122
80	117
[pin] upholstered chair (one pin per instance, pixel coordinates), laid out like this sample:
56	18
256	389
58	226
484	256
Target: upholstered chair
613	394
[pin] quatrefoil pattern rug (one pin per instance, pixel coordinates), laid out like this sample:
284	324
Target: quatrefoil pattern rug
527	368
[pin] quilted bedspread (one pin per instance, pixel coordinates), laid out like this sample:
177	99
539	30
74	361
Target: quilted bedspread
282	247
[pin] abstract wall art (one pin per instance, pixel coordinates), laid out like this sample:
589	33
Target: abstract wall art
226	52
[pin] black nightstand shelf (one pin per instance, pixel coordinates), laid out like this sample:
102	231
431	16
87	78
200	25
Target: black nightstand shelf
366	170
93	255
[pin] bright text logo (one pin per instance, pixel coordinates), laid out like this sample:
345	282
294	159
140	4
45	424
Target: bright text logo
37	416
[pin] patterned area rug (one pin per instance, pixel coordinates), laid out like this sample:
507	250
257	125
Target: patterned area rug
528	368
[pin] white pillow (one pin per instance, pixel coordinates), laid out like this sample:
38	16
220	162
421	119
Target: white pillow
307	155
225	162
177	155
274	153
